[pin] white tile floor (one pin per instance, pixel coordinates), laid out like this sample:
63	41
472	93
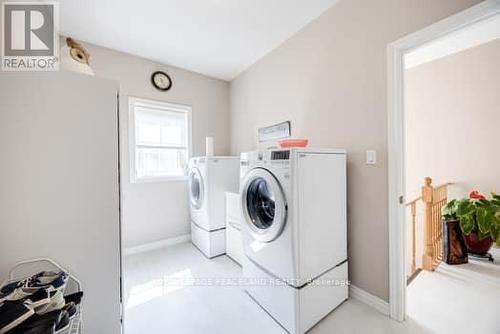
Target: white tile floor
458	299
155	307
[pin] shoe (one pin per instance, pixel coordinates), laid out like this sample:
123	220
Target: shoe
48	322
74	297
56	303
39	298
71	309
63	323
44	279
9	288
18	294
35	296
12	314
42	329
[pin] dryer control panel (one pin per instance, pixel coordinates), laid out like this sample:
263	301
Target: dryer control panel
280	155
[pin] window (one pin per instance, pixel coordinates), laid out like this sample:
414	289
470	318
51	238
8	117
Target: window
160	140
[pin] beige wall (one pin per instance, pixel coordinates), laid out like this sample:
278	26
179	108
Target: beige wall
156	211
453	121
330	81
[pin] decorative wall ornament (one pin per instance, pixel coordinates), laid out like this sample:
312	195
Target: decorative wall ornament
75	58
275	132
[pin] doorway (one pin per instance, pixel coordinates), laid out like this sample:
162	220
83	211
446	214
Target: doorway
398	52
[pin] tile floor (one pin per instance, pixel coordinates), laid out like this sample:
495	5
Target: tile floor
164	295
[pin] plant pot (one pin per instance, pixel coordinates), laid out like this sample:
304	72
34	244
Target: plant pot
476	245
454	248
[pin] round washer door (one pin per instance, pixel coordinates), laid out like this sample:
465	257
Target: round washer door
264	205
196	188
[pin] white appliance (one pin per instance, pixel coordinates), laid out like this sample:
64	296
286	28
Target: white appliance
234	219
209	179
295	233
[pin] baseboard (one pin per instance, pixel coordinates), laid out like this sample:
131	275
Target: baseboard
367	298
156	245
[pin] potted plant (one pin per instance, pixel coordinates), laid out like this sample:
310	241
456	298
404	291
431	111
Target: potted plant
479	219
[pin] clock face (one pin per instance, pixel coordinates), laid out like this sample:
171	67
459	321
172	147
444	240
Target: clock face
161	81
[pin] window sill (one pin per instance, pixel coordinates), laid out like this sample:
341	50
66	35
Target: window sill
160	179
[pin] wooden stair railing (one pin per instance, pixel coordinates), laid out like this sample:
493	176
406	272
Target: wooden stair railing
413	212
433	199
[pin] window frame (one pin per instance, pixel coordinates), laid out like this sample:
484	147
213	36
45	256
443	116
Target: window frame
134	102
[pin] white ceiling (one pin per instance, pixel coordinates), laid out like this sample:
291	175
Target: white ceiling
219	38
469	37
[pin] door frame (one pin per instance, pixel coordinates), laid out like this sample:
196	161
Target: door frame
396	139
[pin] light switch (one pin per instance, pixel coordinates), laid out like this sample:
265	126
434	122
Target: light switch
371	157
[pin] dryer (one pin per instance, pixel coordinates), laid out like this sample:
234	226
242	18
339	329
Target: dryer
294	236
209	179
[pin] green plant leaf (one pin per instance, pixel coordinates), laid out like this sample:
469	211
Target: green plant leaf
495	231
449	211
482	203
484	219
496	202
495	228
464	207
467	224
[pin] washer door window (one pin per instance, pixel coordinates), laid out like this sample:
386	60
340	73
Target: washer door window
264	205
196	188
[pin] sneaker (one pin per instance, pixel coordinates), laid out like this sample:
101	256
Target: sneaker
74	297
39	298
11	291
15	294
63	322
56	303
12	314
42	329
48	322
71	309
44	279
9	288
36	296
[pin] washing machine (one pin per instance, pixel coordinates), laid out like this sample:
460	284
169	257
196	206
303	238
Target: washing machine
209	179
295	233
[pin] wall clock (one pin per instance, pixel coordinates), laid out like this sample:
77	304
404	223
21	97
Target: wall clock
161	81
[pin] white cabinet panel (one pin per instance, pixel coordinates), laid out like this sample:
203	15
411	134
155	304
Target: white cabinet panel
234	219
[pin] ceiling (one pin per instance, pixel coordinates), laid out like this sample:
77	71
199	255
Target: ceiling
218	38
476	34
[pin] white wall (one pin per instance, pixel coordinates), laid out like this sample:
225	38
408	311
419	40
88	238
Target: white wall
157	211
330	81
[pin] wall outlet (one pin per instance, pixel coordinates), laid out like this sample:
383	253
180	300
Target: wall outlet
371	157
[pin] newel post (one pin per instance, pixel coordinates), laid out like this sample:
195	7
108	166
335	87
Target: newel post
427	193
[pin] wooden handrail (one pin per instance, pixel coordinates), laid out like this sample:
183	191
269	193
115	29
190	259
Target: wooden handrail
413	237
433	200
443	185
415	200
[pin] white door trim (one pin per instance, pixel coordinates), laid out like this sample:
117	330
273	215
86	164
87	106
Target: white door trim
396	139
